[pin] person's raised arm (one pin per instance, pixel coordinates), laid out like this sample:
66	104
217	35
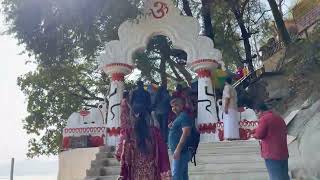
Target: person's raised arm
261	131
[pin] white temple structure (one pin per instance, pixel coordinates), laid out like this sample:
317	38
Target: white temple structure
161	17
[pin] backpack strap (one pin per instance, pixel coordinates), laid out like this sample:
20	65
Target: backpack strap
193	156
193	159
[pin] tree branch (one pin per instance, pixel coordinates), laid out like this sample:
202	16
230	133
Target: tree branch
207	19
175	71
249	34
86	97
243	7
168	75
186	8
255	22
185	73
87	91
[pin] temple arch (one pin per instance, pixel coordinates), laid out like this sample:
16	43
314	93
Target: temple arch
161	17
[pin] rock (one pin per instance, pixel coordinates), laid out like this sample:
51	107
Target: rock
277	87
297	126
304	161
291	139
306	104
310	146
301	174
291	116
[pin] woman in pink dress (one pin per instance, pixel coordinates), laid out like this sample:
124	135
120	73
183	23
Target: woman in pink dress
142	153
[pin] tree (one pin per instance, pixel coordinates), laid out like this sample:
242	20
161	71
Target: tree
53	94
282	30
160	58
226	35
238	9
252	20
206	19
64	40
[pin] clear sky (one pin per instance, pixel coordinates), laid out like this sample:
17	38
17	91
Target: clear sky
13	139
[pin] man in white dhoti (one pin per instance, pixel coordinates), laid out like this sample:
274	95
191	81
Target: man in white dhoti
230	112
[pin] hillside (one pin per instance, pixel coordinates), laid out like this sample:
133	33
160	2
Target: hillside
293	91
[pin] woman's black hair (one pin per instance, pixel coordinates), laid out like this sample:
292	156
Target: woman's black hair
142	133
126	94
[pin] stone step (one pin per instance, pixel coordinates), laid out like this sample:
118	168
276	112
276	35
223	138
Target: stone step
227	167
103	155
103	171
236	175
227	153
229	160
226	144
240	175
220	159
227	174
105	162
201	167
223	151
102	178
107	149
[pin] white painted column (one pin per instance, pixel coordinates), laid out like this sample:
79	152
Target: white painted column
113	118
117	72
207	115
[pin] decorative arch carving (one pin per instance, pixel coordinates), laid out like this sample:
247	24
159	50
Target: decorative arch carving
160	17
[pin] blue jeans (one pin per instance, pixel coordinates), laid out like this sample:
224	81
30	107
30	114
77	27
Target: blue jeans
277	169
180	166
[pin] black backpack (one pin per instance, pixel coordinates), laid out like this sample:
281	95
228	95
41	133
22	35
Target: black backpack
193	143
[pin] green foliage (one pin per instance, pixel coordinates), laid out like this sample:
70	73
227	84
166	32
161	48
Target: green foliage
226	35
61	30
53	94
64	37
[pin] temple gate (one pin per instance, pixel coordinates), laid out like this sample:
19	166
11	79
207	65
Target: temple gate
161	17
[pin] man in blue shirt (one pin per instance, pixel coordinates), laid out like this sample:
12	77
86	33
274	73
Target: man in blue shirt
180	129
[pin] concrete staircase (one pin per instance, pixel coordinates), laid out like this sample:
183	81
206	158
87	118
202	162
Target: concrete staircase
237	160
105	166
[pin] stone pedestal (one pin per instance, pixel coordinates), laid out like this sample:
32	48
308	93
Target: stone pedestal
117	71
207	115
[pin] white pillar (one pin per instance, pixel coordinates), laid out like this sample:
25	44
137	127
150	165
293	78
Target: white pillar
113	118
207	115
117	72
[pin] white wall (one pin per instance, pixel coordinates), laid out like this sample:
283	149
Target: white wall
71	167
